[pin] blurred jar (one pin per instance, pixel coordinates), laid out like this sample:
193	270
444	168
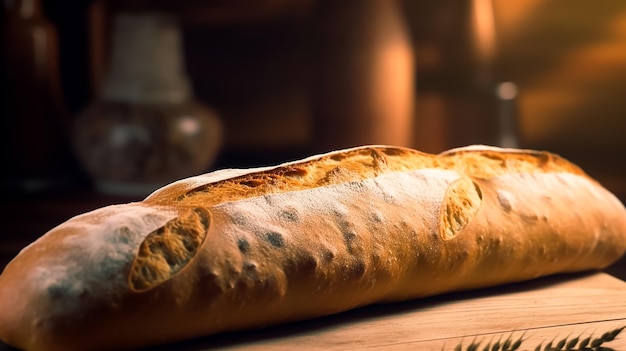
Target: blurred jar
145	130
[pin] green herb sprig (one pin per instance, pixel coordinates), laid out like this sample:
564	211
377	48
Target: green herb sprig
578	343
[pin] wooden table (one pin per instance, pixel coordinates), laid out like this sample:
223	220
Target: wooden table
565	306
538	311
553	308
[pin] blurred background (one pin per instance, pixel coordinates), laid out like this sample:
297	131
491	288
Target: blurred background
244	83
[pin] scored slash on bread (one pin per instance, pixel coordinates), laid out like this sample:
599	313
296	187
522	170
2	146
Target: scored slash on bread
239	249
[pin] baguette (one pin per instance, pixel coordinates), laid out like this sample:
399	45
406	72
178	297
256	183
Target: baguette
240	249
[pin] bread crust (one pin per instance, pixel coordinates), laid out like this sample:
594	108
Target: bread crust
314	237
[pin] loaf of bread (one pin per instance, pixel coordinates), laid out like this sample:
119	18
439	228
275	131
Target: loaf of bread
240	249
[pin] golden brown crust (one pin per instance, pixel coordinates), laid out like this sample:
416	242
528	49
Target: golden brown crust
247	248
356	164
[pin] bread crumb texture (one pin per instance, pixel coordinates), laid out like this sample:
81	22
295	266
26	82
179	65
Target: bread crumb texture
167	250
460	204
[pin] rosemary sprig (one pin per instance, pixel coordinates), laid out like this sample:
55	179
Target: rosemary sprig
578	343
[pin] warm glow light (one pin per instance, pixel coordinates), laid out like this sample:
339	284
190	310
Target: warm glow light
564	102
392	90
506	91
485	31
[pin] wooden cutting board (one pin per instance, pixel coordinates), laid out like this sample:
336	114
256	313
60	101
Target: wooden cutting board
553	308
539	311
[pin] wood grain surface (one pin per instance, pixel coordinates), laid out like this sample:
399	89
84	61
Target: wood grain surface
538	311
